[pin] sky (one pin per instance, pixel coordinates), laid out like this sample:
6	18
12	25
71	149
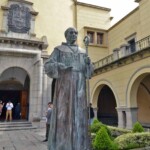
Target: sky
119	8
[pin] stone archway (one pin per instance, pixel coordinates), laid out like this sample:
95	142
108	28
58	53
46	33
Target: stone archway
14	86
106	104
143	101
133	85
138	97
98	101
97	88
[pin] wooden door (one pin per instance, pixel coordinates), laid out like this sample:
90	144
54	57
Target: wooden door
24	103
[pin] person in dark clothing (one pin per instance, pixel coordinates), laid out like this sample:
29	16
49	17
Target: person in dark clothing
91	114
17	111
48	119
1	107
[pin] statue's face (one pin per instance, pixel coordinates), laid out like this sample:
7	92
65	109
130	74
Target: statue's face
71	36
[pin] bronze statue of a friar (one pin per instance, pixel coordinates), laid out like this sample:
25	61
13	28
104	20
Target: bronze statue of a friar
70	66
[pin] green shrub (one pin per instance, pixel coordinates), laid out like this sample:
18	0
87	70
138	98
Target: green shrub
102	141
95	121
133	140
137	128
96	126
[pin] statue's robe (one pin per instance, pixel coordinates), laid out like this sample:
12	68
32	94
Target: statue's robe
69	121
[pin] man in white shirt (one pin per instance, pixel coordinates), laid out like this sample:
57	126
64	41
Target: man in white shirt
9	107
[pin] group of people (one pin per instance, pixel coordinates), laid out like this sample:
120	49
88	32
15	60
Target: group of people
9	107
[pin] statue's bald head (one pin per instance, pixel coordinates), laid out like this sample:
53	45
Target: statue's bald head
70	29
71	35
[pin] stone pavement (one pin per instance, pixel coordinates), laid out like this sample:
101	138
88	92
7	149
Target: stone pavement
23	139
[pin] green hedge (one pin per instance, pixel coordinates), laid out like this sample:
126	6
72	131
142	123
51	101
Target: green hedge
133	140
115	132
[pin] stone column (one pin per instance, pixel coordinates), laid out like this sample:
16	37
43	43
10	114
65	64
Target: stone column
123	50
95	112
36	99
47	90
116	54
131	117
121	117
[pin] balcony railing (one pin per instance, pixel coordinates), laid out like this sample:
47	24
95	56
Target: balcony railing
123	51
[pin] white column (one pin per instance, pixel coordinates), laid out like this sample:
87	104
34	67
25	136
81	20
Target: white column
95	112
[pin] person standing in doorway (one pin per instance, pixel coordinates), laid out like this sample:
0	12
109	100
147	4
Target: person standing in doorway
1	107
9	107
91	114
48	120
17	111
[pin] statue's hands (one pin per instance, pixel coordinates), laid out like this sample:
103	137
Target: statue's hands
63	66
87	60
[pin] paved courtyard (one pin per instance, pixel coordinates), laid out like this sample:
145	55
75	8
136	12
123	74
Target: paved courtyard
23	140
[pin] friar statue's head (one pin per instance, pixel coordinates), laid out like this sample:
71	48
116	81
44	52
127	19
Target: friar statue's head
71	35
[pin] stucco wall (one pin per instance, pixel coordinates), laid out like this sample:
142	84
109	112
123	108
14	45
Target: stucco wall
120	80
122	30
137	22
144	16
93	17
53	19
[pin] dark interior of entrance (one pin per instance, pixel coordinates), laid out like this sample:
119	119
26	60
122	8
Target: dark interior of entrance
14	96
107	113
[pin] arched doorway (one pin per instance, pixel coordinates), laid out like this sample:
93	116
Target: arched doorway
143	101
14	86
106	104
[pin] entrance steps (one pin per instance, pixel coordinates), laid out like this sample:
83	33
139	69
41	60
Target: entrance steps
16	125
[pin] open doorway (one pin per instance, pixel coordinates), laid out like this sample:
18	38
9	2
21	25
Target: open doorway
16	97
14	86
13	96
107	113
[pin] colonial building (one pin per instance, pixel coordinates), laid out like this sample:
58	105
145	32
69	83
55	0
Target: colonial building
29	31
120	87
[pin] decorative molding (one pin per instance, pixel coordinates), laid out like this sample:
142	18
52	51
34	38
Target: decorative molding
16	41
92	6
22	1
18	26
19	18
123	61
